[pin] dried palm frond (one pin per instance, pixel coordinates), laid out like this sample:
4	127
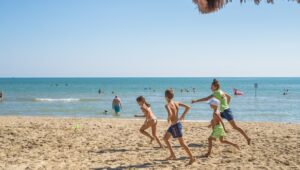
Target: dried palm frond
208	6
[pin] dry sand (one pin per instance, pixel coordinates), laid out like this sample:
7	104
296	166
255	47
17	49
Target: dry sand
65	143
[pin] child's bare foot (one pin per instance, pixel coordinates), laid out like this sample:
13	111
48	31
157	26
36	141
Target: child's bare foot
237	146
192	161
172	157
162	147
249	141
151	140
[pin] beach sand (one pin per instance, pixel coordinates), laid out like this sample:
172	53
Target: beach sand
67	143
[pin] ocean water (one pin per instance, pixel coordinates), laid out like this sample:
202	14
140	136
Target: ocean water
78	97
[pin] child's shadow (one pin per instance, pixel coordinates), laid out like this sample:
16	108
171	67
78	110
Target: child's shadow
114	150
193	145
138	166
110	151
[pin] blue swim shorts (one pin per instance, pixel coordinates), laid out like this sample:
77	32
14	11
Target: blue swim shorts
227	114
176	130
117	108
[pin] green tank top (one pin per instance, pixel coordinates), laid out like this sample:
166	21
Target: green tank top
220	95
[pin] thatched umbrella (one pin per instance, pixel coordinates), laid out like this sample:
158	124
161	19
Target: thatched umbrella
208	6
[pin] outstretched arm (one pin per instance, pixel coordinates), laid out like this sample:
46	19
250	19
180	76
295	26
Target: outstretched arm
186	110
203	99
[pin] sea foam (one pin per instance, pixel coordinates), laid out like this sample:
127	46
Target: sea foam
57	100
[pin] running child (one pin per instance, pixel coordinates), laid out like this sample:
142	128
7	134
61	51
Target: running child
175	130
151	120
226	112
217	126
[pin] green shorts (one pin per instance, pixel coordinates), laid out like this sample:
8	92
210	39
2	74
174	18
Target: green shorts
218	132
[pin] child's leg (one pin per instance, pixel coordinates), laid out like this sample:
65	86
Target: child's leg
166	139
183	145
154	134
210	139
222	140
143	128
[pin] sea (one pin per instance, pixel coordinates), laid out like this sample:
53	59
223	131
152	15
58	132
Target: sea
272	100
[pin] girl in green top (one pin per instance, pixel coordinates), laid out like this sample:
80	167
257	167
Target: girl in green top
226	112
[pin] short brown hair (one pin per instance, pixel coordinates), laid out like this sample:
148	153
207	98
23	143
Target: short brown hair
169	94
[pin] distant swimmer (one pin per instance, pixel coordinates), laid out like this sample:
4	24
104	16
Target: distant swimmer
1	96
285	92
105	111
112	92
117	104
99	91
237	92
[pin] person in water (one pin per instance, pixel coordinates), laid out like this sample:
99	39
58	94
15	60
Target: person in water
226	112
217	126
117	105
175	129
151	120
1	96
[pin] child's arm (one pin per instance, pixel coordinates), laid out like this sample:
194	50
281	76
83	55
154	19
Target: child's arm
228	98
121	105
186	110
203	99
220	119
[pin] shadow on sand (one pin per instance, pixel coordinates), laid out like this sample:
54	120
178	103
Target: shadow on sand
115	150
138	166
145	165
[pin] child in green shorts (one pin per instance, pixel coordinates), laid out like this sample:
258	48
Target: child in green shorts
217	126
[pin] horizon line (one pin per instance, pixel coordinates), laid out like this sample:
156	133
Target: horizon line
17	77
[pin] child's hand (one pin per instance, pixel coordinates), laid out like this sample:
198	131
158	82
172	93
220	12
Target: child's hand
209	126
194	101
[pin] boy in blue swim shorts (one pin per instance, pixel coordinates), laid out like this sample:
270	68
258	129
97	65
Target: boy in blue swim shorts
175	130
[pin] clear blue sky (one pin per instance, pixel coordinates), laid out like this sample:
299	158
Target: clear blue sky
96	38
